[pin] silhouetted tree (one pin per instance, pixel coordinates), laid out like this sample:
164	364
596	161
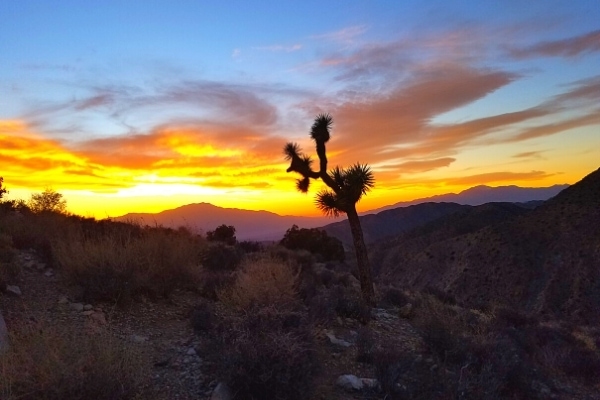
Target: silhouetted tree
3	190
346	187
48	200
223	233
315	240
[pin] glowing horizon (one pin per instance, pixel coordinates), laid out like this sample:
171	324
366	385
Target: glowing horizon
141	109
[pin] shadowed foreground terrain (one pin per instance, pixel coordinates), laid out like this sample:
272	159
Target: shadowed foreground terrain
488	302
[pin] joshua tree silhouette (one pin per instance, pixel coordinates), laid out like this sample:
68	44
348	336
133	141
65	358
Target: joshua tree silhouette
346	187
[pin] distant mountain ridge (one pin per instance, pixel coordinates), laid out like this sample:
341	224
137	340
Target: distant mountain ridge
482	194
544	261
249	225
265	225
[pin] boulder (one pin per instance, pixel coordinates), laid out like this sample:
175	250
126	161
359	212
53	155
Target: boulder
349	382
221	392
14	290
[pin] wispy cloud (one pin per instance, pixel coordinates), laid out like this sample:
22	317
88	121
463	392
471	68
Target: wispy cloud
570	47
280	48
344	35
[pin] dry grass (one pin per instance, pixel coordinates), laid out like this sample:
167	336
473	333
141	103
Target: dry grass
47	363
119	265
262	282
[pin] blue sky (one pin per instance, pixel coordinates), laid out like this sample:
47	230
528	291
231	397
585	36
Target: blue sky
153	104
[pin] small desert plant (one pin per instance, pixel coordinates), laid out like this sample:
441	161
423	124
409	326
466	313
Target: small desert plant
203	317
365	345
260	282
45	363
395	297
348	305
267	354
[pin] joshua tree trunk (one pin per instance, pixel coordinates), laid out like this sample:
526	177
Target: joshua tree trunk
362	257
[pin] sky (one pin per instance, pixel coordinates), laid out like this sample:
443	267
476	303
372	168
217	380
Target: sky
142	106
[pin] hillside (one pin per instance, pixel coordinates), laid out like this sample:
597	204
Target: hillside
393	222
396	219
249	225
545	261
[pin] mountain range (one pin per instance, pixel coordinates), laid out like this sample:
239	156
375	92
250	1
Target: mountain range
544	260
267	226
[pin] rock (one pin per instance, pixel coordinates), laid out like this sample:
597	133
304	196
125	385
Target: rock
63	300
87	313
76	306
49	273
349	382
370	383
406	311
138	339
14	290
99	318
3	335
336	341
221	392
40	266
88	307
191	352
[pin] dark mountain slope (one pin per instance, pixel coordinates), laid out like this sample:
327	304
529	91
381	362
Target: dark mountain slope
545	261
393	222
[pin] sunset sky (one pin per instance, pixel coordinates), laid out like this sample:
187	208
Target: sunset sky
141	106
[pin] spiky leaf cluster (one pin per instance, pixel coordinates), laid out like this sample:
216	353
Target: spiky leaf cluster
352	183
319	131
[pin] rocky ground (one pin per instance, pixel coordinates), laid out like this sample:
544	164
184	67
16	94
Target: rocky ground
160	329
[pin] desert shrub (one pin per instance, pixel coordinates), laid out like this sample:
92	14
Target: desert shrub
202	317
581	363
9	268
262	281
222	233
441	295
115	267
509	317
250	246
268	355
213	282
221	257
314	240
401	375
394	297
321	308
348	304
365	345
46	363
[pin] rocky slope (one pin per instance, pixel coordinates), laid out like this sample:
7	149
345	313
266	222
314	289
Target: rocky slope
545	261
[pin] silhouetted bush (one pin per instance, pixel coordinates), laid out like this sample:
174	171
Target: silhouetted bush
221	257
223	233
314	240
250	247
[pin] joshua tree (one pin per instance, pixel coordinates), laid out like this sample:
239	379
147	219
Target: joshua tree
346	187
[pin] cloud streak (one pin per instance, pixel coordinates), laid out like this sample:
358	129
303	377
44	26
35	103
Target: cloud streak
570	47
